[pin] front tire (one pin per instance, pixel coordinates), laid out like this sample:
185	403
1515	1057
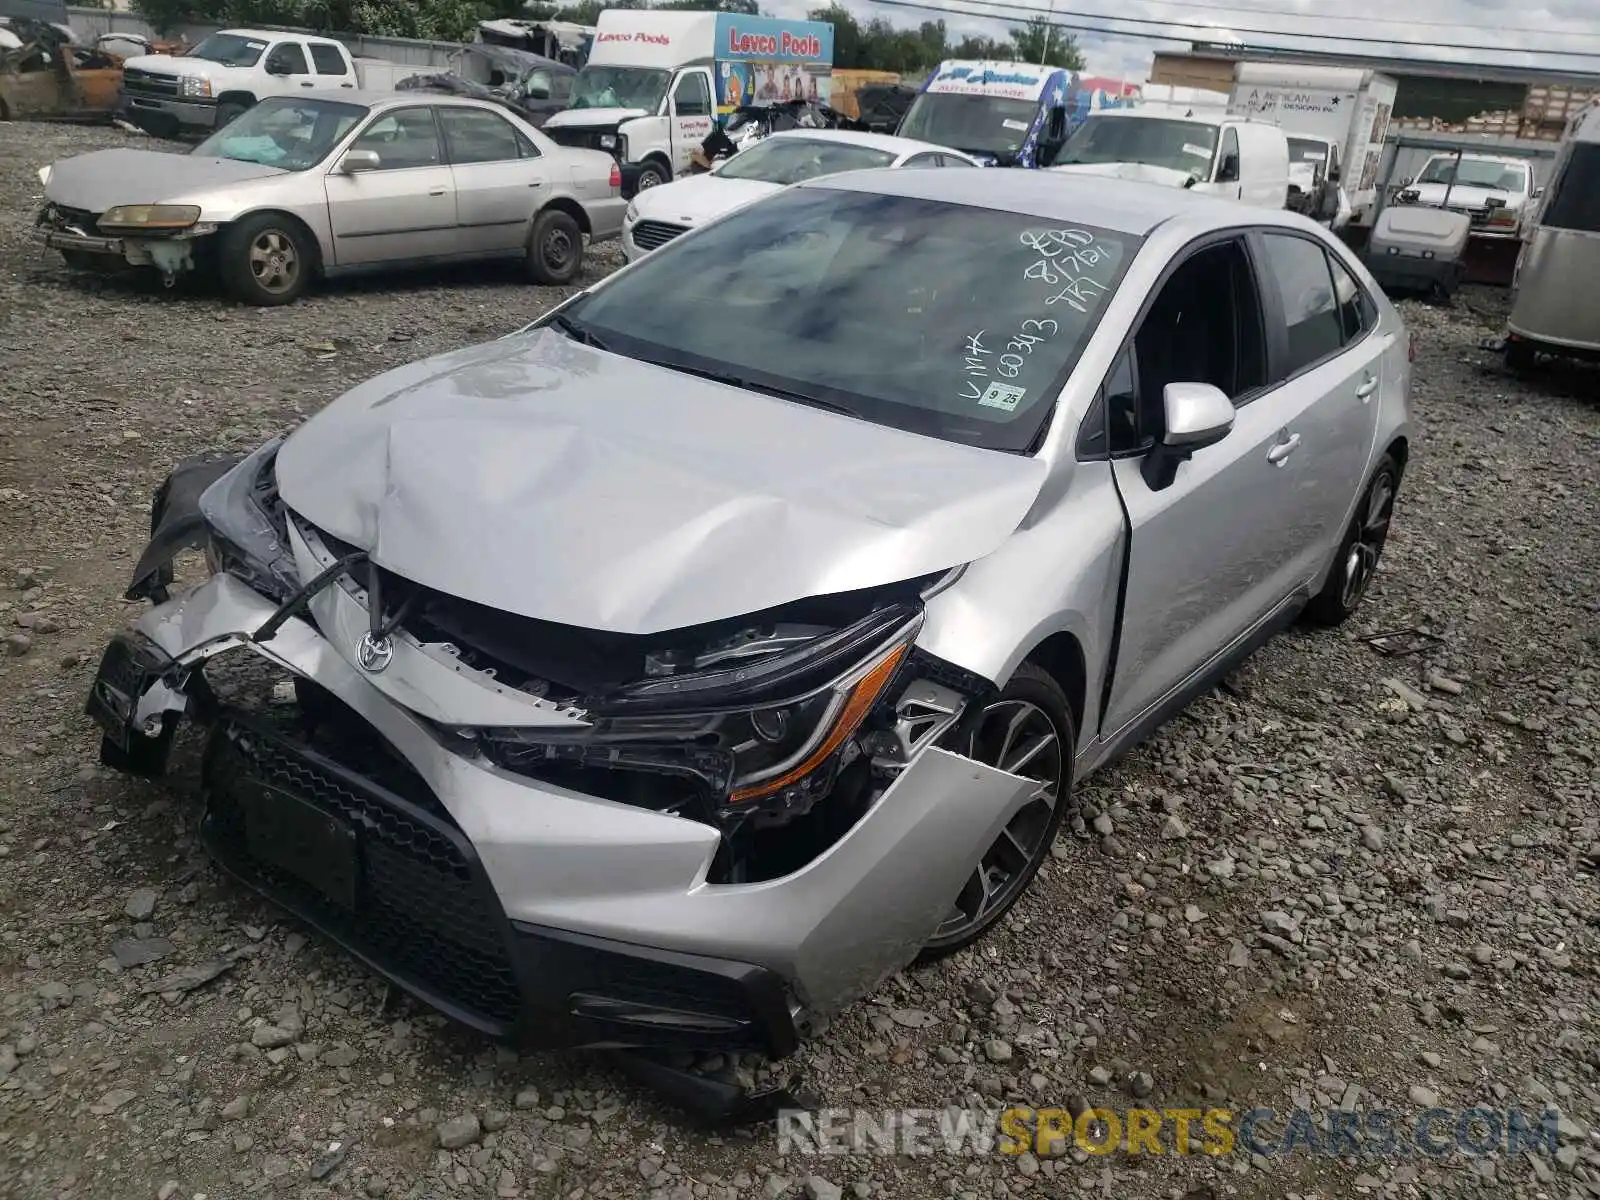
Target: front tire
1356	560
228	112
1028	730
1519	356
265	260
555	248
652	174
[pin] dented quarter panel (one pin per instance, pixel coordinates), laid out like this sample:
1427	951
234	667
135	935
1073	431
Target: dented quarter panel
558	858
632	498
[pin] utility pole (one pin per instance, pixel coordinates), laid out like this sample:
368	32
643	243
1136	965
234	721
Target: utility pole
1050	28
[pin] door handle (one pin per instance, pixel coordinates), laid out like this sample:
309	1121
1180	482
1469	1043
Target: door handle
307	83
1279	454
437	192
1368	386
537	183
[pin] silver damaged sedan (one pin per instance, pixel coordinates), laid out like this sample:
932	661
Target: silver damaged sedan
674	668
336	183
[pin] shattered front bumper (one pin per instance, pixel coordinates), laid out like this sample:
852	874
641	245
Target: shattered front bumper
527	910
169	255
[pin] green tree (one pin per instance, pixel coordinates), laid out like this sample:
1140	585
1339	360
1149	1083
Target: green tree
1040	42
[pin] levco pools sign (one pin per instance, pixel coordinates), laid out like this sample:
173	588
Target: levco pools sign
762	39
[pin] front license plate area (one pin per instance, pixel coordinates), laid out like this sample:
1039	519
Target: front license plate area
301	840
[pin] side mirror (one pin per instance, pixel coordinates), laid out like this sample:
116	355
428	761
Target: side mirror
1538	192
356	161
1407	182
1228	170
1197	415
538	93
276	66
1333	175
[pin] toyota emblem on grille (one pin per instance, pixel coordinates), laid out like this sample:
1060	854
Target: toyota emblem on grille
374	653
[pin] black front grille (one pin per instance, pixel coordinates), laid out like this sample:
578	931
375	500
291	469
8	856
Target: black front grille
424	911
580	138
81	219
149	83
648	235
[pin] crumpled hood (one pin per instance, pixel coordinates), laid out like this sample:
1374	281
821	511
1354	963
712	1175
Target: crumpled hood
97	180
581	118
1137	172
549	479
699	198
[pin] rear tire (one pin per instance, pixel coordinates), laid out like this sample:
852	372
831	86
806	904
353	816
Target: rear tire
555	248
1356	560
265	260
1030	721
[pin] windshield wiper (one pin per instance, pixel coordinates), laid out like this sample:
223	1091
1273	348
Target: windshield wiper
750	385
576	331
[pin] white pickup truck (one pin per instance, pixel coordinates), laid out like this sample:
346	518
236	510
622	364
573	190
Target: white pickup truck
234	68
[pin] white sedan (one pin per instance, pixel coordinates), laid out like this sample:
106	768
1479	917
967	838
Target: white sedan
659	214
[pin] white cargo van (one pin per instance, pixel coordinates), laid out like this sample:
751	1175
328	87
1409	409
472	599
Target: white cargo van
1345	107
656	81
1214	155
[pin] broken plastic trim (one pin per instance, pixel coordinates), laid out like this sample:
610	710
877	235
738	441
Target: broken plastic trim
717	1104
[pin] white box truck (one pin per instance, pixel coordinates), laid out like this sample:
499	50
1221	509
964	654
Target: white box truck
1345	109
655	81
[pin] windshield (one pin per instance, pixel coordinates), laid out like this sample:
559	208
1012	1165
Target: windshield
1155	141
620	87
230	50
944	319
789	160
1308	150
1476	172
287	132
986	124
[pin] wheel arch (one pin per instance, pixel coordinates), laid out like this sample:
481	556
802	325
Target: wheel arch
288	217
1061	657
569	206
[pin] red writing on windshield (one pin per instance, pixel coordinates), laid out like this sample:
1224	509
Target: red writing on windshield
787	44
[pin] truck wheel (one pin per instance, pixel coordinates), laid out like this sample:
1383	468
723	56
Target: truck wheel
652	174
265	260
555	248
229	111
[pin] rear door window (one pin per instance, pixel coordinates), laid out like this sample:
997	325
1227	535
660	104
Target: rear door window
1299	267
328	60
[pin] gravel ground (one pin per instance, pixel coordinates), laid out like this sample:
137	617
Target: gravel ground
1343	879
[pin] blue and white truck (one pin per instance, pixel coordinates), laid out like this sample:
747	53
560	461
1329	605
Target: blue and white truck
1005	114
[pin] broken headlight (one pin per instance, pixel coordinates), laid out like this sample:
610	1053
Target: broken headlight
764	733
163	218
246	536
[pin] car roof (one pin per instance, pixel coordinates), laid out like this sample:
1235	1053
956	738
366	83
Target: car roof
381	100
887	142
1117	205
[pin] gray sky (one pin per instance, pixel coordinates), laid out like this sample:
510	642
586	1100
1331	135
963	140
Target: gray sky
1556	24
